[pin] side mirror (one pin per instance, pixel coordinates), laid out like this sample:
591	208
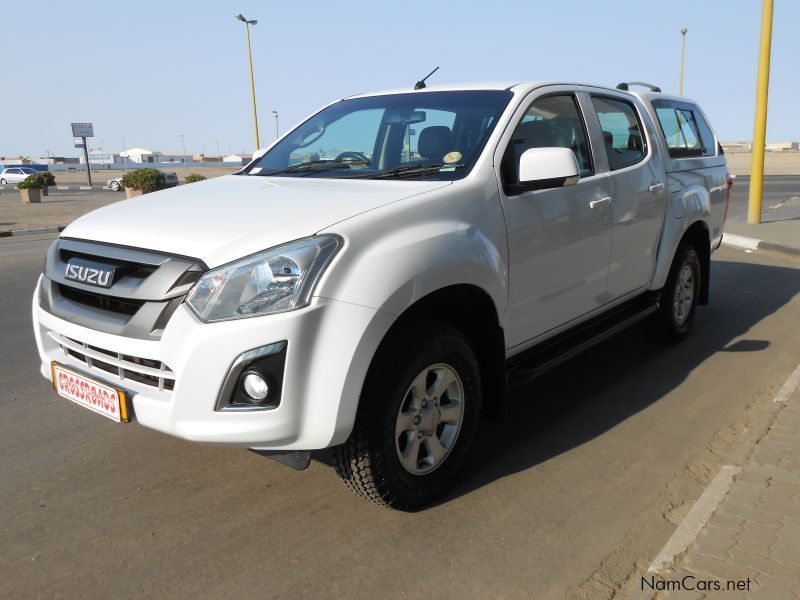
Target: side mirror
541	168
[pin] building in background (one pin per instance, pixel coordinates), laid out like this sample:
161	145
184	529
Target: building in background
783	147
241	159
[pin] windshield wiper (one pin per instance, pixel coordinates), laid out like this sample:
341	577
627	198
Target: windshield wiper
408	171
314	165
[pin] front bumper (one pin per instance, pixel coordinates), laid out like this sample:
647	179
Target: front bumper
330	345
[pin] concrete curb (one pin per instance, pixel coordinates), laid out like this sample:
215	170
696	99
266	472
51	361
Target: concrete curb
35	231
748	243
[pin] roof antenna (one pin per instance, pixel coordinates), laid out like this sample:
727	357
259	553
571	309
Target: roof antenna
421	83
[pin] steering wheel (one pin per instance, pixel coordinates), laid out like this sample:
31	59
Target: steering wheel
352	155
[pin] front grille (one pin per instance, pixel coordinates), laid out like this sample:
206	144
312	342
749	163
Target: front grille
146	289
123	367
109	303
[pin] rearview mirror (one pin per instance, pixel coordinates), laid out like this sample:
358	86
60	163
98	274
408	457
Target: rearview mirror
541	168
407	117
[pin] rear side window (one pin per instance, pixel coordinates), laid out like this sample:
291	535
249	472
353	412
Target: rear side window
622	132
686	131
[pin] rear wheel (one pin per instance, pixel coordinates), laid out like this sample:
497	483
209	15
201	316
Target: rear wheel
417	417
3	182
115	186
679	296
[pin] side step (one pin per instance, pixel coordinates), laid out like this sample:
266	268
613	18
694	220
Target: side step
527	366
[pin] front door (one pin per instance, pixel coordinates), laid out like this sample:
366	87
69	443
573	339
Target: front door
559	239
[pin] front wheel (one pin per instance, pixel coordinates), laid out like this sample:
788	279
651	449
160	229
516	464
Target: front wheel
3	182
417	417
678	300
115	186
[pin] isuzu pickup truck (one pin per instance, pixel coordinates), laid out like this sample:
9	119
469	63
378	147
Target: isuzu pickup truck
374	281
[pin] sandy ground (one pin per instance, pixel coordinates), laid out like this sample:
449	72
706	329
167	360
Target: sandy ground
775	163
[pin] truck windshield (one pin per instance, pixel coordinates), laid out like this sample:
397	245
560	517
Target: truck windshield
435	135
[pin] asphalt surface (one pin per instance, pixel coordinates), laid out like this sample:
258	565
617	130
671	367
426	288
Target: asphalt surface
572	494
778	191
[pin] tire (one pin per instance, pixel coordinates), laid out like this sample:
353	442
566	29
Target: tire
678	298
3	182
411	434
115	186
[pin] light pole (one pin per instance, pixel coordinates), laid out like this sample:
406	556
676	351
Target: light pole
760	124
275	114
102	156
683	55
183	145
247	24
125	151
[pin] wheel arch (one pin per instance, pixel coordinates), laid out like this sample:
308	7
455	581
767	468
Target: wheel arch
698	236
470	309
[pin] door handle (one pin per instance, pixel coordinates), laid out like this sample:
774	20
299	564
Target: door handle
595	203
656	187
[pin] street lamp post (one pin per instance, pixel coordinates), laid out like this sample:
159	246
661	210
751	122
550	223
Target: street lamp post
183	145
125	150
277	131
683	56
247	24
760	122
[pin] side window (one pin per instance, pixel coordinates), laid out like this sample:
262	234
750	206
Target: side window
686	132
554	121
622	132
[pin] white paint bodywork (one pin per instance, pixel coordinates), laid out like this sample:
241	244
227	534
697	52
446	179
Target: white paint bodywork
547	259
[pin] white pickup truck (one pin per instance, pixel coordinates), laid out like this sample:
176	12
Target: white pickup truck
375	280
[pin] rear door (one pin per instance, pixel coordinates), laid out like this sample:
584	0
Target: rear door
638	191
559	238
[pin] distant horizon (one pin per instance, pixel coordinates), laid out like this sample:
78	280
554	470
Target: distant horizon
132	72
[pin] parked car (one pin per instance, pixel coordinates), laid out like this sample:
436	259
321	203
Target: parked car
170	180
16	174
378	299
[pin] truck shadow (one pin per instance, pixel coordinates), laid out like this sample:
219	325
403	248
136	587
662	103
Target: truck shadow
594	392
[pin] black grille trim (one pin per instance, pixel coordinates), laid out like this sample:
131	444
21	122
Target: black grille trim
101	301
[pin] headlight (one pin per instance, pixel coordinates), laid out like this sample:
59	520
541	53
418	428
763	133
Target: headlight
273	281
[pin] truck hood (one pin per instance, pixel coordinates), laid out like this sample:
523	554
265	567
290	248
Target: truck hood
233	216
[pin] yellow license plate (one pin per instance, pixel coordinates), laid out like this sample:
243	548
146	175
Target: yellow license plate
90	393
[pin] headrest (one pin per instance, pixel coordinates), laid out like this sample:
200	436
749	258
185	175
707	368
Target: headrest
434	142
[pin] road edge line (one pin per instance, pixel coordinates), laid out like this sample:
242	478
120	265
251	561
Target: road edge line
693	523
788	387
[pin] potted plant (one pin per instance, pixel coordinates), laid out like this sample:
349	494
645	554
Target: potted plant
46	178
29	190
142	181
194	177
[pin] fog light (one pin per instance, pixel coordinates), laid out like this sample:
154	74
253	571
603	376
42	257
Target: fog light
255	386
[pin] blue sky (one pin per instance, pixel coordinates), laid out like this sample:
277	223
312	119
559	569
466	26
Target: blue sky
153	70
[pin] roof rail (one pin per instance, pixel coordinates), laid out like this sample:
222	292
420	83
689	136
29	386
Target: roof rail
650	86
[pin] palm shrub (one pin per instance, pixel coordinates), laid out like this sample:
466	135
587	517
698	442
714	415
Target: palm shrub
145	180
194	178
47	178
31	182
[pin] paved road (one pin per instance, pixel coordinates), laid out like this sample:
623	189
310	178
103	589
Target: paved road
779	191
572	494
